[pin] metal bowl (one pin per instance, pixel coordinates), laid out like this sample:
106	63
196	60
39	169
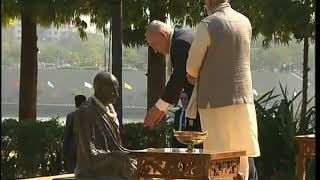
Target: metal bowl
190	138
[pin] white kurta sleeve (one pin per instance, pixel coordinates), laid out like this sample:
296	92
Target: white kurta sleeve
198	50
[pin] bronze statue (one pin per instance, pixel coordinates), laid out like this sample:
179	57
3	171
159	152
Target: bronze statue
100	154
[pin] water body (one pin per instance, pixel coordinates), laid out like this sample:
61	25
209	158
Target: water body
57	99
48	111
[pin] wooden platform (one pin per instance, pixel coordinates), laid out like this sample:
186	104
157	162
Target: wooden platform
178	163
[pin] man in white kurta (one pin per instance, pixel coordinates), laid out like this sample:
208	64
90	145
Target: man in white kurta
219	65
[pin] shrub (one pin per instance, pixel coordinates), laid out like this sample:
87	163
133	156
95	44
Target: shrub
278	124
135	136
31	148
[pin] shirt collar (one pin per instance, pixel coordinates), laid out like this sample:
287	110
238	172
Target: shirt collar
169	64
218	7
170	40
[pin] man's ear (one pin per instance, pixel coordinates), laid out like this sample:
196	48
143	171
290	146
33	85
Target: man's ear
146	37
163	33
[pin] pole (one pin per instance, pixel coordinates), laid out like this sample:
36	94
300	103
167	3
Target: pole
117	51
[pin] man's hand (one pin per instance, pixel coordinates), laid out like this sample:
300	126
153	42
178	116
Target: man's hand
192	80
153	117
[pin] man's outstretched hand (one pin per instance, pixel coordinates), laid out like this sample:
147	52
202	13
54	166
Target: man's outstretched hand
153	117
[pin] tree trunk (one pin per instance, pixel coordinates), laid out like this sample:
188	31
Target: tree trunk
28	69
104	54
117	51
303	121
156	76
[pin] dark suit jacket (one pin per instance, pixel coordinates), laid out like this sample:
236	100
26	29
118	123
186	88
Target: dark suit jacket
99	149
196	126
179	52
69	144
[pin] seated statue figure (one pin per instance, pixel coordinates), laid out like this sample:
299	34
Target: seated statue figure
100	154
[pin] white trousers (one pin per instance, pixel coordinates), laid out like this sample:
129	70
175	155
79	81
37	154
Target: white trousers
232	128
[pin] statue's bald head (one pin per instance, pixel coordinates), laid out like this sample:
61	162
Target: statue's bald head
105	87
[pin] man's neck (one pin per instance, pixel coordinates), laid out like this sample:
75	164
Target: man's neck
219	4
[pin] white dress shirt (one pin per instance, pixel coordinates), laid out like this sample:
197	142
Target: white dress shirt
161	104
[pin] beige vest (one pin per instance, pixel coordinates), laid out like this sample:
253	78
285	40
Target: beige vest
225	75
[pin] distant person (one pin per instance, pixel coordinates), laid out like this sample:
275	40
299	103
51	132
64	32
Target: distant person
69	145
181	123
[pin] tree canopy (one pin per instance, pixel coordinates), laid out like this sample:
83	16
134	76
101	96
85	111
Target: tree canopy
279	21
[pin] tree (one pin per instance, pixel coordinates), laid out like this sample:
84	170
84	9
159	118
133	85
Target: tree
303	28
156	62
32	13
116	26
28	66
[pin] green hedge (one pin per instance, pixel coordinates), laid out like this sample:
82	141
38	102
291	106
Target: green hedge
30	149
135	136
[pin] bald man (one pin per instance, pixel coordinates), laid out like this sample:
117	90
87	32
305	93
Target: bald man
175	43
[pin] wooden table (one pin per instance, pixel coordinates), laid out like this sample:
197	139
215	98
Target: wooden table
176	163
56	177
306	150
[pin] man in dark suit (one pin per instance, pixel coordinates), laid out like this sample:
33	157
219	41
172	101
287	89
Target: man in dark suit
175	43
100	154
69	145
181	123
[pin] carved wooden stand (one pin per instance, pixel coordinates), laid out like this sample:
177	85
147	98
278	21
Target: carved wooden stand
175	163
306	150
